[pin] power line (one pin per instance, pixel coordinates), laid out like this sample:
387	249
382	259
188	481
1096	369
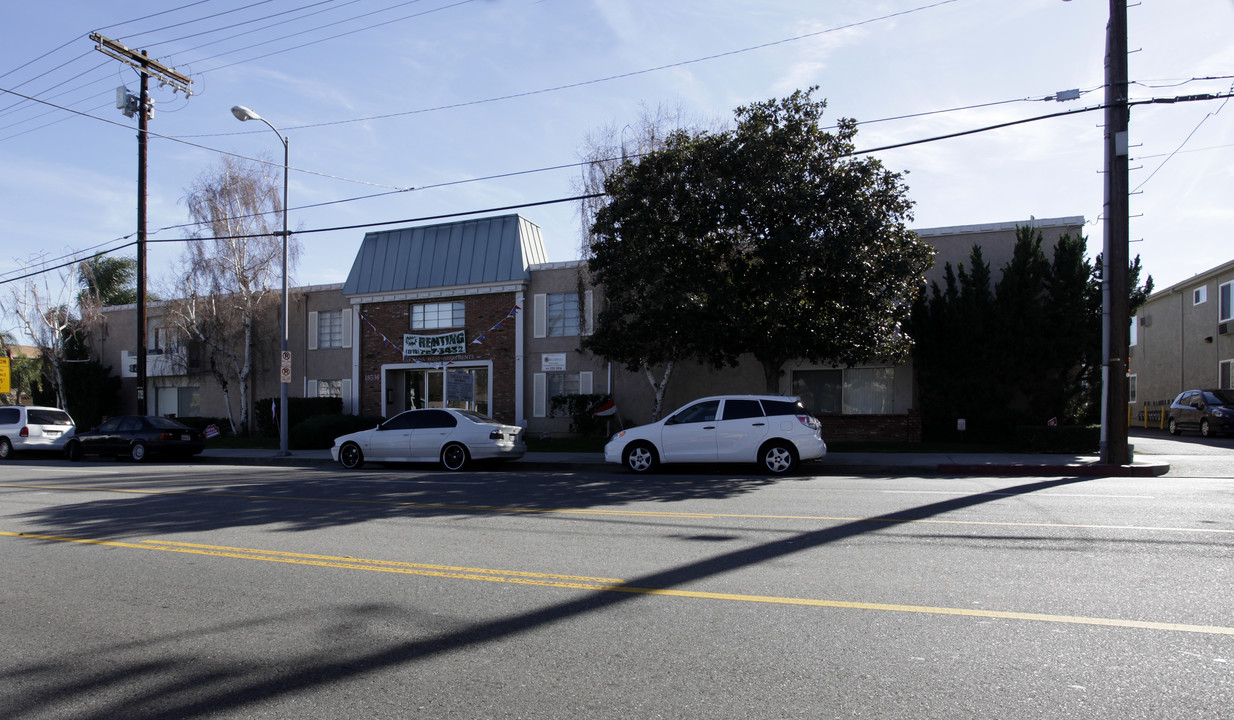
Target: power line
937	138
620	75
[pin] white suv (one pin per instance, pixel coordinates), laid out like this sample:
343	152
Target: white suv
774	431
33	428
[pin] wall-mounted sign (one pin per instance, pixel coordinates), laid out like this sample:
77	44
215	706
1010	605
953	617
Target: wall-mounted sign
451	343
552	362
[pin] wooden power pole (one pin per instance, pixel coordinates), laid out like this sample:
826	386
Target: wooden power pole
165	75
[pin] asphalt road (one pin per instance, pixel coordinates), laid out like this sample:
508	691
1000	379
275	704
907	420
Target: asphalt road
184	591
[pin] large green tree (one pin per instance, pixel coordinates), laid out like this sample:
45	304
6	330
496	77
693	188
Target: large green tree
1024	353
822	263
770	239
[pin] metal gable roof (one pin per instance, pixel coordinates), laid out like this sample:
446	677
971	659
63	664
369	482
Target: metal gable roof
473	252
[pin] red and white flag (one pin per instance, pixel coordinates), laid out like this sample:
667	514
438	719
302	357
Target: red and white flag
605	409
211	431
1053	422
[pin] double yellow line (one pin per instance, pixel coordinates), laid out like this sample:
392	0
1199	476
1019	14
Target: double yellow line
598	584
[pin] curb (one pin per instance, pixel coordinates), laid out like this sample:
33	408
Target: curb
876	469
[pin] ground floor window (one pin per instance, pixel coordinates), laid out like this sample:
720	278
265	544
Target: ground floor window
1131	389
177	401
1227	374
330	388
846	391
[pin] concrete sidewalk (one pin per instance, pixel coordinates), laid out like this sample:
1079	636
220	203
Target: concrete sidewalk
843	463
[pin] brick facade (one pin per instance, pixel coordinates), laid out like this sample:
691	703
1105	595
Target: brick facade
872	428
482	315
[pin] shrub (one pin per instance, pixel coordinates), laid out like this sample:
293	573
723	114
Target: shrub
1071	439
298	410
318	432
579	408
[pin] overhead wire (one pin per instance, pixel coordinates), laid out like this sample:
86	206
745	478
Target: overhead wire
938	138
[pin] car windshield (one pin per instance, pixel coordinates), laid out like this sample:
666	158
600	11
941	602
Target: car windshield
163	423
1219	397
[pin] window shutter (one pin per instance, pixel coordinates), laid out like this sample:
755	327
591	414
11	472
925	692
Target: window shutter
346	329
539	389
584	383
312	332
347	395
311	390
539	319
589	317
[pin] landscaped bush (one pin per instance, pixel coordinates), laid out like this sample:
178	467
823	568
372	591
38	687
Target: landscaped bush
1069	439
580	408
298	410
319	431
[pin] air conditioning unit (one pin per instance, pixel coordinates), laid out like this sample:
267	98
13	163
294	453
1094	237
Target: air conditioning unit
1223	329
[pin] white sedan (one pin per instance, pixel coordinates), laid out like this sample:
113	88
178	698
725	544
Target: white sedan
774	431
451	437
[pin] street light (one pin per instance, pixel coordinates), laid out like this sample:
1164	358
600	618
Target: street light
243	114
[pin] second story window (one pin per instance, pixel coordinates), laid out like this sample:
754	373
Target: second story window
330	329
437	315
562	314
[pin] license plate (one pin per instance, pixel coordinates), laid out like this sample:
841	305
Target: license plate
186	438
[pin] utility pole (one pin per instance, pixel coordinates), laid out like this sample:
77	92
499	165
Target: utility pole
1115	284
166	76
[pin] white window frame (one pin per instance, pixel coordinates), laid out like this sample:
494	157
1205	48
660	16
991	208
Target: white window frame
438	316
1225	374
1225	306
540	327
314	329
1132	389
539	390
1199	296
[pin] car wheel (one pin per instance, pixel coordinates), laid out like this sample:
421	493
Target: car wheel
6	448
454	456
640	457
1174	427
778	457
350	456
1204	429
72	451
137	452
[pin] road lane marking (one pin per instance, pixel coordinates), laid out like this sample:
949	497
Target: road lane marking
447	507
597	584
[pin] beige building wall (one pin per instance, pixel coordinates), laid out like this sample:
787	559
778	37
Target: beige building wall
1181	342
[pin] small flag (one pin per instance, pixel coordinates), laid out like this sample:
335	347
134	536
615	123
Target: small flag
212	431
1053	422
606	409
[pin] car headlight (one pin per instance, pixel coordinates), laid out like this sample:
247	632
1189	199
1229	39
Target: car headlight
618	435
1218	412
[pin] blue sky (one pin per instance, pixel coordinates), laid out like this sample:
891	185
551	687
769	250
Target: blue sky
412	97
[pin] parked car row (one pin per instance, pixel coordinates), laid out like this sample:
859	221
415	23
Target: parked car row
137	437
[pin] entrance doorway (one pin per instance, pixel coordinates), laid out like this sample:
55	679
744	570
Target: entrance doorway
460	388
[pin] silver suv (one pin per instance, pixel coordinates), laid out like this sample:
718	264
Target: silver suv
33	428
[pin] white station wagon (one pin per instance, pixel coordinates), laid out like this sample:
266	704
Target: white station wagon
774	431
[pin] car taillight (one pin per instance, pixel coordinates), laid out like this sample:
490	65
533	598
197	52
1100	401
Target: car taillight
495	435
166	436
25	431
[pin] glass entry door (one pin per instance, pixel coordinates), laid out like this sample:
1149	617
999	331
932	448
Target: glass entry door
460	388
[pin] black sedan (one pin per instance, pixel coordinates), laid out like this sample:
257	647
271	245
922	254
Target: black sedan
137	437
